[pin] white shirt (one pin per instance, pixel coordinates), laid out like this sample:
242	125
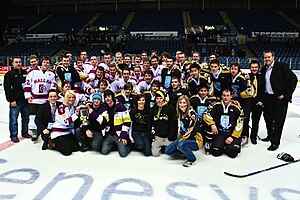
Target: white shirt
269	89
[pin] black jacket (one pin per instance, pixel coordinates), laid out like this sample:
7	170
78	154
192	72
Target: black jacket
43	116
283	80
13	85
164	121
71	74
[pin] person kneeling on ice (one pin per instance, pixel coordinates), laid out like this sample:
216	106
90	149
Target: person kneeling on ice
116	131
91	136
62	132
162	123
189	136
226	124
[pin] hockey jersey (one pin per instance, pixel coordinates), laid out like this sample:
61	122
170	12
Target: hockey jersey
37	85
64	121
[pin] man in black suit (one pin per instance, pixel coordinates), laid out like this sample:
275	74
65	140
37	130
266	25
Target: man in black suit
45	117
279	83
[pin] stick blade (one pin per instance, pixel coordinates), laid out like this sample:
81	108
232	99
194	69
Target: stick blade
236	175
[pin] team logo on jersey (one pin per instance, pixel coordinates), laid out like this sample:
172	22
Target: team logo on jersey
42	88
151	104
182	126
235	90
201	110
127	105
68	77
167	81
217	86
224	121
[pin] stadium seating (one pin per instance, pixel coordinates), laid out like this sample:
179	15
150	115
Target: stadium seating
111	18
259	20
28	48
69	23
149	20
206	17
293	14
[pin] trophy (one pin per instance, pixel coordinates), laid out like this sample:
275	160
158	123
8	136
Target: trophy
84	113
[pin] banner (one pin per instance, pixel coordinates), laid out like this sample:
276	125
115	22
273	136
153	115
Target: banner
44	36
4	69
155	33
276	34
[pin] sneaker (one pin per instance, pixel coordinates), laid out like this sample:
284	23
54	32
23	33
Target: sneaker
244	141
188	163
207	147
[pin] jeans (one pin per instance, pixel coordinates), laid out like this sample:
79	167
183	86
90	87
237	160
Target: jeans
158	144
95	142
13	119
142	142
185	146
108	143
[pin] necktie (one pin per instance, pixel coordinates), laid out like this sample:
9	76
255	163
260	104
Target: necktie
53	109
255	86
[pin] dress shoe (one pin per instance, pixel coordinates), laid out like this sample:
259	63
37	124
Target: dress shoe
45	145
84	148
253	141
15	140
266	139
26	136
273	147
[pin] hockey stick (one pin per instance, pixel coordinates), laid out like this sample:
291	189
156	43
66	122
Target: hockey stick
260	171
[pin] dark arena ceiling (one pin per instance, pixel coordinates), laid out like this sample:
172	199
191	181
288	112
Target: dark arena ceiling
81	5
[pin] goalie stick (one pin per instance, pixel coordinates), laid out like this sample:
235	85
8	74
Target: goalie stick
260	171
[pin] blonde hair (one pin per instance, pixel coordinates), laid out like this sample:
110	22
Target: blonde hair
186	98
69	92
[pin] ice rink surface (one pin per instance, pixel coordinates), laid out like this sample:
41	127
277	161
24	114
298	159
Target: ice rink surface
27	172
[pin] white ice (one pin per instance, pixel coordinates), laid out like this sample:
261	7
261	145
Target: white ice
27	172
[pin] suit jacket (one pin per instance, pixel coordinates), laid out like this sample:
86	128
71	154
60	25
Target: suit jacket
283	80
43	116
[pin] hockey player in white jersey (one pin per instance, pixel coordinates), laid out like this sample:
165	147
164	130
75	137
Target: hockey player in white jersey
38	82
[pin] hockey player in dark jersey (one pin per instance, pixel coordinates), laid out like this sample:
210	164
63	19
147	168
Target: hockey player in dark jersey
169	72
224	119
195	79
176	91
150	95
200	104
220	77
242	93
127	97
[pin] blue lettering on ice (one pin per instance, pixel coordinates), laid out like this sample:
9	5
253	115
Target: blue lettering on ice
219	192
5	178
277	193
253	193
112	188
2	161
88	181
171	190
